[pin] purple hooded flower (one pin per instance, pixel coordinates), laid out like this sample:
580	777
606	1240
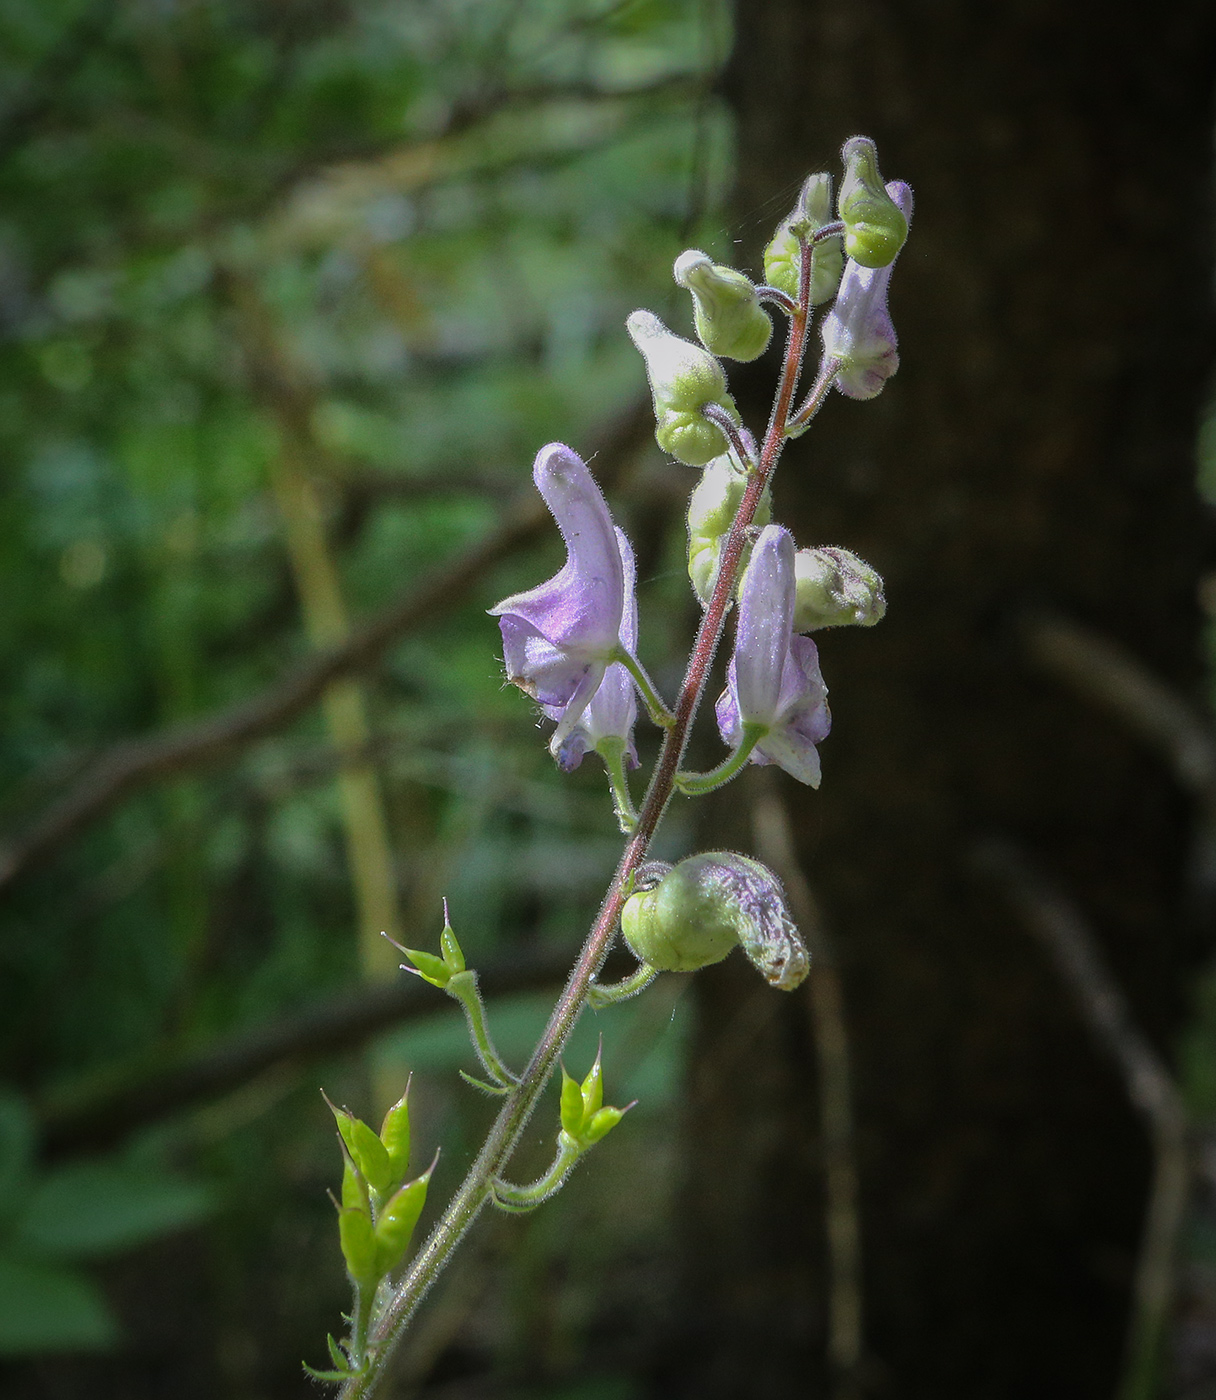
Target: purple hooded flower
559	638
858	330
613	709
773	678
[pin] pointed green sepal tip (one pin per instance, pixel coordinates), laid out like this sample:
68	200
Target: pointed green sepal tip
430	968
448	945
601	1123
726	311
874	225
395	1135
336	1354
572	1105
354	1187
591	1091
357	1236
783	256
367	1152
395	1227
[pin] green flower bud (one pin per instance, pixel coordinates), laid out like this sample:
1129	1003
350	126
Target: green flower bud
683	379
367	1152
783	256
448	945
395	1227
697	911
592	1089
395	1135
712	508
438	971
358	1240
729	319
571	1105
874	226
354	1187
430	968
601	1124
584	1120
834	588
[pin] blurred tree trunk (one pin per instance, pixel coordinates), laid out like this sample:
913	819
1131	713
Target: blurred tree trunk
1036	447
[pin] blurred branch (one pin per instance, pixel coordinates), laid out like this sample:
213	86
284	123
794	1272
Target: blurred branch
1078	959
114	1104
136	763
825	997
1102	671
291	406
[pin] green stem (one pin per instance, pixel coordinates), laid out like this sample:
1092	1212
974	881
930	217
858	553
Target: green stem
655	707
361	1316
463	987
612	751
599	995
697	784
517	1199
520	1103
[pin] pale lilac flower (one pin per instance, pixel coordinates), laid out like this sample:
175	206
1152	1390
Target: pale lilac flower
858	330
613	709
559	638
773	678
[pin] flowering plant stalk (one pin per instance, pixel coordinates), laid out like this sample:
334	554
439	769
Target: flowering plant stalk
570	643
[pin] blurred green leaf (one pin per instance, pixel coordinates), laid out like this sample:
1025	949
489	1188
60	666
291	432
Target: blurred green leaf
48	1307
97	1208
16	1150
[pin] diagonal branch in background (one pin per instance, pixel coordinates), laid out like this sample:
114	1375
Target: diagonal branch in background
136	763
1103	671
115	1103
1057	924
825	1000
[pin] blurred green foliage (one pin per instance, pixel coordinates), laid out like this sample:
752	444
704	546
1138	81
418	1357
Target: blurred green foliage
446	209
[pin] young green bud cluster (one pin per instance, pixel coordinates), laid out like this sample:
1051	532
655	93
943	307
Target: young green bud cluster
712	508
697	911
379	1208
584	1118
834	588
726	312
783	256
684	378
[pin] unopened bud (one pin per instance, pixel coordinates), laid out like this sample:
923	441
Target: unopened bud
729	319
783	256
834	588
683	379
395	1135
367	1152
874	226
358	1240
395	1227
708	904
712	508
